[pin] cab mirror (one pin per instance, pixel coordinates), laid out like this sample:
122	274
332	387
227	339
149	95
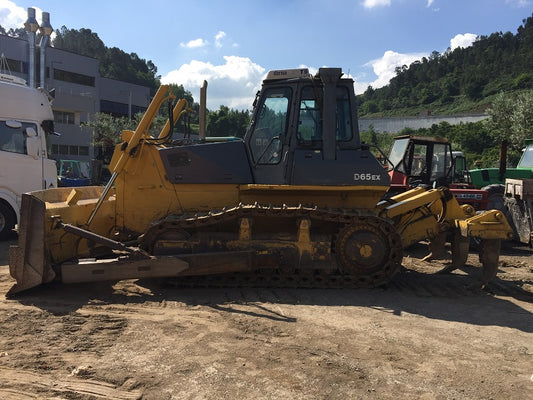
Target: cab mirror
33	146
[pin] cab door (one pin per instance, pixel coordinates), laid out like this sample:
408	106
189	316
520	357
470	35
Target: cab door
21	166
267	137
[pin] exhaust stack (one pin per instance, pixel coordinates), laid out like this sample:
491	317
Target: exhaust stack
45	30
31	27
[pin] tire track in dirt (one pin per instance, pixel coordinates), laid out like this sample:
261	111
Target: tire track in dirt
19	384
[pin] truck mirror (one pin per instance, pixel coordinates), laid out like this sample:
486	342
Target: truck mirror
30	132
32	146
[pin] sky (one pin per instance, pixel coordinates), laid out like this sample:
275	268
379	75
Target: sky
233	43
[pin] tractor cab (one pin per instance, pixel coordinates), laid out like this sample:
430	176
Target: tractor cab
420	160
429	161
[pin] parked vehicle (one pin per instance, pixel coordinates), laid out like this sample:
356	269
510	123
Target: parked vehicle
73	173
429	161
297	202
497	176
26	122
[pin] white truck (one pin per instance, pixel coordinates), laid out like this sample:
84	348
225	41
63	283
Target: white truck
26	122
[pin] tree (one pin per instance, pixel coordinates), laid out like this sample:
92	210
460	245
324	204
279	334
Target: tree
227	122
512	118
19	33
83	41
107	130
114	63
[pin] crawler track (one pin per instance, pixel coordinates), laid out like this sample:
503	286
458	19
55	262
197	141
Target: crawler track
343	235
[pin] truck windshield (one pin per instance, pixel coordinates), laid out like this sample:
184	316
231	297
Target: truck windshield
13	139
527	158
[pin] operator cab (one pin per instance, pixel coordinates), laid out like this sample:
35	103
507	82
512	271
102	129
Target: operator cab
304	131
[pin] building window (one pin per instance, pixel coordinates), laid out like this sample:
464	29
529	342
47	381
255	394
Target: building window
64	117
71	150
14	65
120	109
73	77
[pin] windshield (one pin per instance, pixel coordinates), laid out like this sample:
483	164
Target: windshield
527	158
13	139
398	151
270	125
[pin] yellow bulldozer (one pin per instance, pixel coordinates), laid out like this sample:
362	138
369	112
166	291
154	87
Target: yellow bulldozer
299	201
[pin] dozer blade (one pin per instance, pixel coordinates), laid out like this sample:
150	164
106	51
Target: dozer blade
27	259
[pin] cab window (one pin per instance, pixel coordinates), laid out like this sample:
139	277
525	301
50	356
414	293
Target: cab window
270	126
310	117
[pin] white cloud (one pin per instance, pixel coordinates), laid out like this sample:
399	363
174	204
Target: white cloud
232	84
218	38
11	15
518	3
462	40
385	67
194	44
430	3
376	3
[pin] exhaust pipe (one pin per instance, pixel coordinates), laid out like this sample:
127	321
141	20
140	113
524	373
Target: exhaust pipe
31	27
203	107
45	30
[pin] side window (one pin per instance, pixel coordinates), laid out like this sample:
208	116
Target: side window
442	161
13	137
419	167
270	125
309	120
310	117
344	119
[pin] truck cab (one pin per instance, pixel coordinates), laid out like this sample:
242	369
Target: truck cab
26	121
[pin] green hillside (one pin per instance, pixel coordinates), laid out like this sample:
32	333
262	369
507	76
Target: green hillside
464	80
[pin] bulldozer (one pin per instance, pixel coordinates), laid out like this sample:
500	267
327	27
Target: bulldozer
299	201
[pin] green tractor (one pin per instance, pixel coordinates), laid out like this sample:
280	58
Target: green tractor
513	187
496	176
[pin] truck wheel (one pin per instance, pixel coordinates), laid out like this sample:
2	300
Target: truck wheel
495	192
7	221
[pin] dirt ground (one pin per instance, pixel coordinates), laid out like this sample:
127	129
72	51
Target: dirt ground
424	336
